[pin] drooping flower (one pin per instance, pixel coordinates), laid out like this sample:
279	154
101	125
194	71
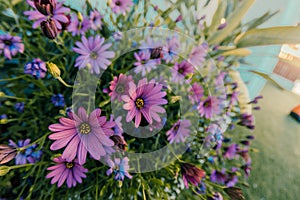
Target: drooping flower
247	120
197	56
10	45
179	131
196	93
209	107
30	154
119	167
218	176
145	100
231	151
119	86
70	172
170	49
181	70
7	153
36	68
78	27
235	193
45	7
57	14
121	6
144	62
93	53
20	107
96	20
58	100
81	134
191	174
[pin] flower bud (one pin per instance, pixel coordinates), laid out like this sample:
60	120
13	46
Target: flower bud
4	170
49	28
156	53
234	193
7	153
119	142
53	69
45	7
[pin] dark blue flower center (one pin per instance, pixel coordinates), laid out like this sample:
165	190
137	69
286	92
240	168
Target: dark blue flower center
7	42
93	55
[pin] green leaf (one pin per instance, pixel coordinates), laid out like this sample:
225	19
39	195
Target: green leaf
269	36
237	52
233	21
267	77
260	20
219	14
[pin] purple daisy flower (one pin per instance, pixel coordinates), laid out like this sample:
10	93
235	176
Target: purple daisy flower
77	27
10	45
27	155
93	53
70	172
191	174
218	176
144	64
179	131
20	107
58	100
121	6
96	20
37	68
58	15
197	56
119	167
118	130
196	93
180	70
145	100
83	133
119	86
209	107
170	49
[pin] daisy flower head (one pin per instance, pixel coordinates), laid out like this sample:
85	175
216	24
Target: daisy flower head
96	20
179	131
93	53
144	100
81	134
121	6
119	86
209	107
144	62
57	13
196	93
170	49
78	26
70	172
119	167
10	45
197	55
181	70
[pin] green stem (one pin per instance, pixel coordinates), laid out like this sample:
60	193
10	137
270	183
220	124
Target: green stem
11	79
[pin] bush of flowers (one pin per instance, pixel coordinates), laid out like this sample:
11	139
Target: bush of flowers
126	100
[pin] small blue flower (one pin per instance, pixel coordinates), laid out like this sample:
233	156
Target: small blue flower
20	107
58	100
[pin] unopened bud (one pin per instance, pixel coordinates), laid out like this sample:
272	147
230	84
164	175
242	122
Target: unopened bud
4	170
49	29
53	69
45	7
